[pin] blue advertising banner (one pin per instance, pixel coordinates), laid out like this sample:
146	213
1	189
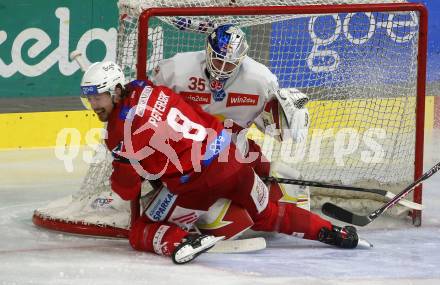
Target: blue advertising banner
342	49
433	39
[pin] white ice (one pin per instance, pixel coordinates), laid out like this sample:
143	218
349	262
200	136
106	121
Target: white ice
29	179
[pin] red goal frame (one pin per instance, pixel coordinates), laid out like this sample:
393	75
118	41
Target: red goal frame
141	67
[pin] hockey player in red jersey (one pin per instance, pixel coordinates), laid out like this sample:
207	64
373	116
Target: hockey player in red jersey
154	134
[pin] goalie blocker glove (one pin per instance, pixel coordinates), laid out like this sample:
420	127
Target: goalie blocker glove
192	246
345	237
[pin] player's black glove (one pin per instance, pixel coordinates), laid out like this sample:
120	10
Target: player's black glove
345	237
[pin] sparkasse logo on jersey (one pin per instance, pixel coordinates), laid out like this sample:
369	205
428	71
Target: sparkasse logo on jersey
238	99
199	98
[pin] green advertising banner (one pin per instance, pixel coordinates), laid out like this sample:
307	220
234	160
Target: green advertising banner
36	38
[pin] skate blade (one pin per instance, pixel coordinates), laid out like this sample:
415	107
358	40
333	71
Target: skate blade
364	244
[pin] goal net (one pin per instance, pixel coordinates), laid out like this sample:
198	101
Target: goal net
362	67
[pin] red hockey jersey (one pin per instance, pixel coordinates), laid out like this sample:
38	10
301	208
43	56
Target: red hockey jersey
153	133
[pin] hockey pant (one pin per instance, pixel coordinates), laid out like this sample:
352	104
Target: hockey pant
167	219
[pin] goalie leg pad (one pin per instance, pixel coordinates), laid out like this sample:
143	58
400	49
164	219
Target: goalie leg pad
288	193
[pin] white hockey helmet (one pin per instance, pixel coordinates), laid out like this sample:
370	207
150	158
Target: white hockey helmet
226	43
101	77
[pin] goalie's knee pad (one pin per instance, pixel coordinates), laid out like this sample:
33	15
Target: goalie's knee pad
225	219
288	193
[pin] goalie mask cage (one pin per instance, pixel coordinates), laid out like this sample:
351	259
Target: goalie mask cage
363	67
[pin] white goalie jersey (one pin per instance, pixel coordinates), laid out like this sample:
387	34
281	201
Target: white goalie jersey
246	93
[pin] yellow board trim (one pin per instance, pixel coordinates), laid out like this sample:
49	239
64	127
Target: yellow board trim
30	130
430	113
339	114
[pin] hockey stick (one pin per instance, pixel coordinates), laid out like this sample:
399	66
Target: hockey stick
341	214
383	193
77	56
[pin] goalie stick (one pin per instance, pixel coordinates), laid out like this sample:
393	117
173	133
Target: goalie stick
384	193
239	245
76	55
341	214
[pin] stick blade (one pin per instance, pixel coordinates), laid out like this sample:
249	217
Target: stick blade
343	215
239	245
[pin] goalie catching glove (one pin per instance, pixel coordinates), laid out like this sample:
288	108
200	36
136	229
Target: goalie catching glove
294	113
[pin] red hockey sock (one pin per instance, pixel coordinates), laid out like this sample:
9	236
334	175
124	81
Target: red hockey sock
288	219
160	238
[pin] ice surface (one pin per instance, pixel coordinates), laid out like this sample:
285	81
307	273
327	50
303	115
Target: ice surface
29	179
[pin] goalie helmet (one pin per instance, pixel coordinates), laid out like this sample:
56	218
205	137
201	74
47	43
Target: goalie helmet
226	47
101	77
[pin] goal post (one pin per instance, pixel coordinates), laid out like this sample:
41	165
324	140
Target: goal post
363	67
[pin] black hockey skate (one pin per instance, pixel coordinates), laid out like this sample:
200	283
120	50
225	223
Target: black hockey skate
192	246
345	237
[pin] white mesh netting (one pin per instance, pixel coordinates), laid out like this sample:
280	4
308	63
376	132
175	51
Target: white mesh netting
358	69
